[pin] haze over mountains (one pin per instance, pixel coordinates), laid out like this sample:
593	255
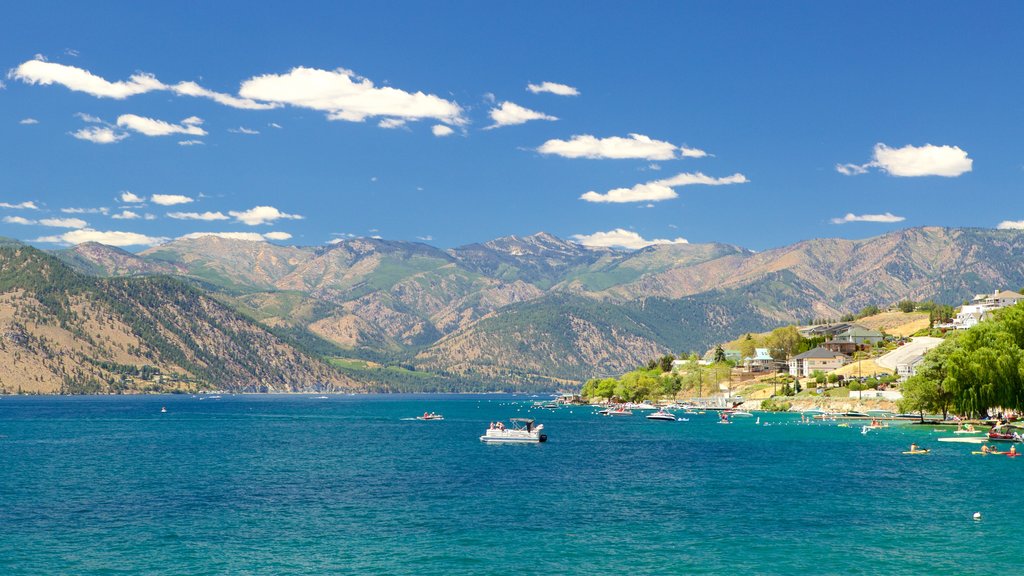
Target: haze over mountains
539	310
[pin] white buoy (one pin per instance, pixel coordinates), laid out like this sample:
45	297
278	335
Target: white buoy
977	515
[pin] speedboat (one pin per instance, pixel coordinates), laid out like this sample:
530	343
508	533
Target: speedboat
740	413
618	411
662	415
519	431
430	416
644	406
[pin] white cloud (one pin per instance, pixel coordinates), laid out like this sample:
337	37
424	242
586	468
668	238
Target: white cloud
691	152
79	80
27	205
100	135
100	210
621	238
28	121
243	130
44	73
110	238
207	216
18	220
169	199
426	238
262	215
63	222
193	89
190	142
661	189
246	236
130	198
149	217
274	125
88	118
887	218
553	88
344	95
851	169
636	146
154	127
1011	225
511	114
440	130
910	161
126	215
391	123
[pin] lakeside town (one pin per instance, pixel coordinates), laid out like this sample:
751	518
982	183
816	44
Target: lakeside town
859	364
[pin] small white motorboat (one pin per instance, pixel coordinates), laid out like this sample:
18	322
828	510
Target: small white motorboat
430	416
662	415
619	411
740	413
520	431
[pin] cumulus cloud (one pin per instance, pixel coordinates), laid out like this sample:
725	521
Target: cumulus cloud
28	121
63	222
41	72
27	205
243	130
262	215
440	130
169	199
511	114
246	236
910	161
100	135
45	73
553	88
344	95
110	238
392	123
130	198
18	220
126	215
84	117
887	218
621	238
206	216
153	127
661	189
1011	225
100	210
636	146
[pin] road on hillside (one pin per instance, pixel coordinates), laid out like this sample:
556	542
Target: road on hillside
909	351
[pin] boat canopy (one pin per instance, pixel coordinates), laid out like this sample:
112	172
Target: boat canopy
524	420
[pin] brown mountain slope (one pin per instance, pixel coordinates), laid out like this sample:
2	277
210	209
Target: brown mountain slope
62	331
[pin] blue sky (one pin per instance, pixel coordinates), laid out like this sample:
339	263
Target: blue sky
757	124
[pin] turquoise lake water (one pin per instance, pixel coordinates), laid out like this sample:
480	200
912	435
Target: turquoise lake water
301	485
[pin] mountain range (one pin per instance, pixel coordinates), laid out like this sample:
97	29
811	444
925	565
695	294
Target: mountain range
540	311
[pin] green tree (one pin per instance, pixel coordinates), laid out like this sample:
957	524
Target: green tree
719	354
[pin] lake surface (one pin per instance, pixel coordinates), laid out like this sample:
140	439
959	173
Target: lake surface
302	485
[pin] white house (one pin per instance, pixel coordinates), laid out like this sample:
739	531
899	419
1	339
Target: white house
819	359
982	306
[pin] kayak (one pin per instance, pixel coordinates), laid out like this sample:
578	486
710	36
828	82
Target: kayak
917	451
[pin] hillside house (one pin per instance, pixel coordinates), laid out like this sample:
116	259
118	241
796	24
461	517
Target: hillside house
981	307
818	359
761	361
854	338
